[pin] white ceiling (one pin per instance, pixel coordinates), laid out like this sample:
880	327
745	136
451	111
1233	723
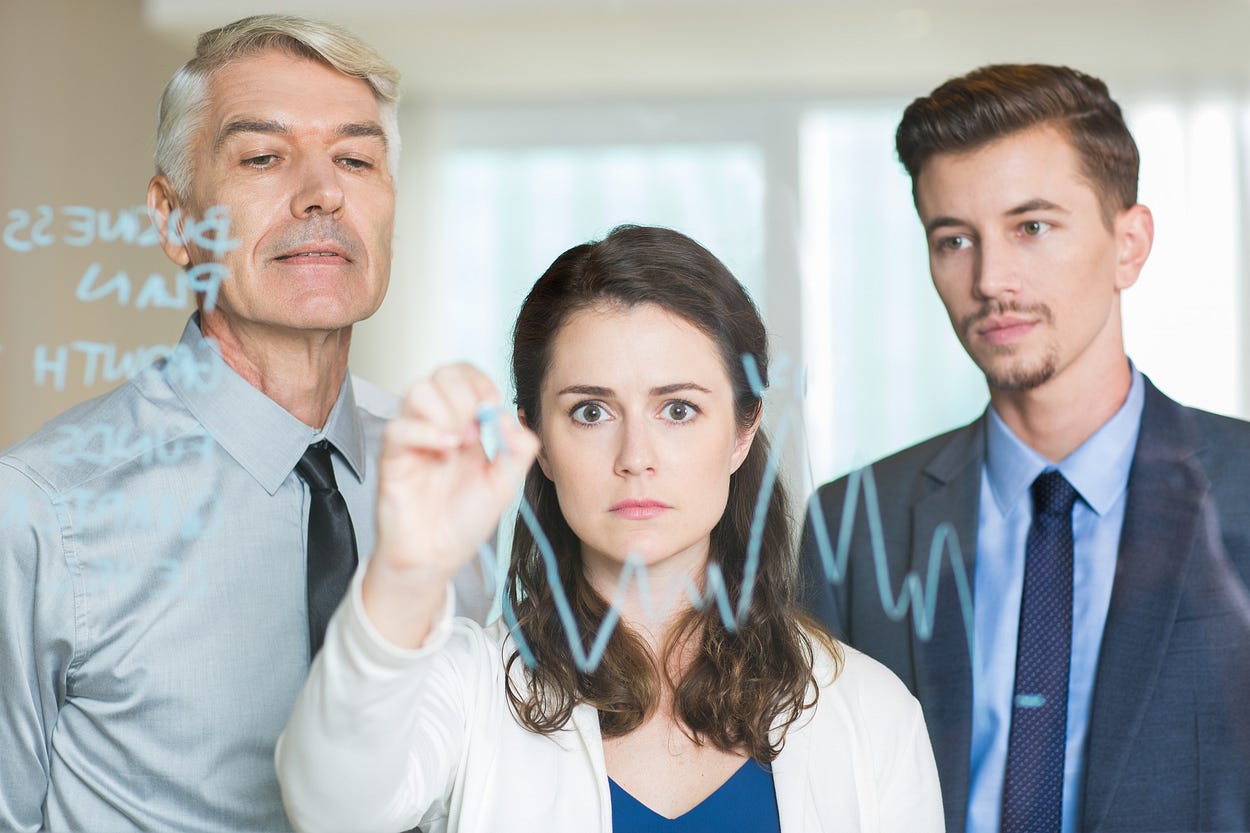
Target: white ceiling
544	49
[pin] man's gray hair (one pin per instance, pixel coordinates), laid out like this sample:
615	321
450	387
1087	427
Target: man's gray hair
185	100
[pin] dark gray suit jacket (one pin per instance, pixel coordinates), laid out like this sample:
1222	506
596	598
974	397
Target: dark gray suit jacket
1169	738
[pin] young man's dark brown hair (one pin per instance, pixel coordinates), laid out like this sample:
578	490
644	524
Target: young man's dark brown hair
989	103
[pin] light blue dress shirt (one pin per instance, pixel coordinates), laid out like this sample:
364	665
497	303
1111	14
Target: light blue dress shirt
1099	471
153	623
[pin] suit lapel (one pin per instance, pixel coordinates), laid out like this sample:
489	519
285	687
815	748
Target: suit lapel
943	664
1166	490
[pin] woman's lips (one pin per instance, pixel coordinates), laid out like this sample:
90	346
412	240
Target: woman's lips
639	510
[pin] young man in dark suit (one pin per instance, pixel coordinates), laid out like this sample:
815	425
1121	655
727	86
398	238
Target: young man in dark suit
1079	635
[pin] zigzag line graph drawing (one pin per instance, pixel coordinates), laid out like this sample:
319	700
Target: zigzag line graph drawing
918	593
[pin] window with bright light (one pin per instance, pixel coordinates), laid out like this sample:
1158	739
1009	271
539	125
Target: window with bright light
809	207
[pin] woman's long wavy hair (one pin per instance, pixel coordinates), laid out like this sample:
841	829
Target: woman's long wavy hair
742	682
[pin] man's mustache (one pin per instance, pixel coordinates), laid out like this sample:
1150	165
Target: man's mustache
995	308
311	233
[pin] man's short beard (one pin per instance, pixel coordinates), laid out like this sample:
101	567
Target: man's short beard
1012	378
1015	379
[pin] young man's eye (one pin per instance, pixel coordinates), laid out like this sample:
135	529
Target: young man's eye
951	243
1033	228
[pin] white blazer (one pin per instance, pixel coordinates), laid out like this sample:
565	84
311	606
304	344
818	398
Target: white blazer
382	739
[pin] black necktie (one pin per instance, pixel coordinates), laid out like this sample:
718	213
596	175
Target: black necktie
331	542
1033	784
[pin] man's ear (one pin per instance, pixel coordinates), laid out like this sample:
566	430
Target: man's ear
165	208
745	438
542	451
1134	236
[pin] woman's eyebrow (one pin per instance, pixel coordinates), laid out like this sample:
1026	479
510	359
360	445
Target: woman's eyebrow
662	390
678	387
585	390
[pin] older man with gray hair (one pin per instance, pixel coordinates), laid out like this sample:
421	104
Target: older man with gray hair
182	540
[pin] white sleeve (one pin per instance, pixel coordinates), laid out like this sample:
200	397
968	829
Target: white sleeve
377	733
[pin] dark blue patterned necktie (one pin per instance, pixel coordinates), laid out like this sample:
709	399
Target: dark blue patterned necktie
331	542
1033	784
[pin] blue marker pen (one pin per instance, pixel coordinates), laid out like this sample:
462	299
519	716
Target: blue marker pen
488	429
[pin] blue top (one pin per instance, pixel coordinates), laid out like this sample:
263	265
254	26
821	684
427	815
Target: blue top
1099	470
746	802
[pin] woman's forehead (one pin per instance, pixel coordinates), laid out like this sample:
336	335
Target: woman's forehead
644	345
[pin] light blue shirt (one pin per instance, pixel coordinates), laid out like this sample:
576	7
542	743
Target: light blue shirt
1099	472
153	623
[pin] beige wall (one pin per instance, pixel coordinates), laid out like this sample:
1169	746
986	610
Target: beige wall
81	83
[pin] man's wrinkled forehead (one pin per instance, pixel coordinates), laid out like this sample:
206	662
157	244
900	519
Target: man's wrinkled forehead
248	106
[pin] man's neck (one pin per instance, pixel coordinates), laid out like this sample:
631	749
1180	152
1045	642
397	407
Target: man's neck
300	370
1055	418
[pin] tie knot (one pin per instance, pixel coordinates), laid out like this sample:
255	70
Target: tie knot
1052	494
316	467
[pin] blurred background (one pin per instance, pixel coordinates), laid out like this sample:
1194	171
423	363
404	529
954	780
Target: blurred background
763	128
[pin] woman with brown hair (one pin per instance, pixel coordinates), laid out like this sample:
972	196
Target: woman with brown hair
638	362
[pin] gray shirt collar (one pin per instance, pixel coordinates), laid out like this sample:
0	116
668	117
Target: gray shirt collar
262	436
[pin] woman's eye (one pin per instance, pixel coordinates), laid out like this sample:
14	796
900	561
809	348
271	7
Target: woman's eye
680	411
588	413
